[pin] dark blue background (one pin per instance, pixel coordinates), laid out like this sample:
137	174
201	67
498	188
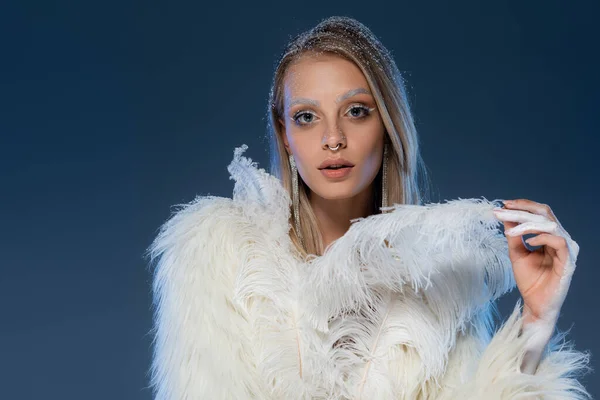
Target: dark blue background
111	112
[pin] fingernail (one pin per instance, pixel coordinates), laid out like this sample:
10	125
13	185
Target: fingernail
498	203
526	238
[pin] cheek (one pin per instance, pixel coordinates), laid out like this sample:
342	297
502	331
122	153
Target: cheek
371	166
297	139
305	147
372	156
303	157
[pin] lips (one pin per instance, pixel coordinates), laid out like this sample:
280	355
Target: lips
336	163
335	173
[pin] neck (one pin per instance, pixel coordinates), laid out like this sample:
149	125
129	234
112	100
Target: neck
334	215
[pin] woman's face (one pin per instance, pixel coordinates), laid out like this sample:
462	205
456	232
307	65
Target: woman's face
327	102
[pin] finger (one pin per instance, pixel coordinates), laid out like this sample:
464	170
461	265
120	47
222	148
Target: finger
518	216
531	206
533	227
560	245
537	227
515	245
525	231
526	244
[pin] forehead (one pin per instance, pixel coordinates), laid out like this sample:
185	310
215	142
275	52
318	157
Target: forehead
322	76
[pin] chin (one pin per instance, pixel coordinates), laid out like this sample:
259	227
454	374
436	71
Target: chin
336	191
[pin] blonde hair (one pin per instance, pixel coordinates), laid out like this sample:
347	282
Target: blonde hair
348	38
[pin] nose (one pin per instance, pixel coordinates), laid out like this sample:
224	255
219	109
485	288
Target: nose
334	141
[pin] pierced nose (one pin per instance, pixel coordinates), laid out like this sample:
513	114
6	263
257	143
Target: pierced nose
340	142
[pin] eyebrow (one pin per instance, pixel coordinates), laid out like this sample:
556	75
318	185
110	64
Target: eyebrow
315	103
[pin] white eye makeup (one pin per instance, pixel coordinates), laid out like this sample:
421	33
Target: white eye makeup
299	117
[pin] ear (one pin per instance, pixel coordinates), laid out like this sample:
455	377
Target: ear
284	136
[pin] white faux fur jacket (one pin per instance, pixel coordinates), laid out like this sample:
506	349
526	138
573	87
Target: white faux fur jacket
400	307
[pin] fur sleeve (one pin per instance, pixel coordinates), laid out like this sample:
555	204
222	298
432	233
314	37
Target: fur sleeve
200	348
493	372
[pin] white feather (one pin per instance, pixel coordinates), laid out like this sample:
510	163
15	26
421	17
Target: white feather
399	307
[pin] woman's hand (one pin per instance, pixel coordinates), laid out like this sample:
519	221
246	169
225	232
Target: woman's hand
543	276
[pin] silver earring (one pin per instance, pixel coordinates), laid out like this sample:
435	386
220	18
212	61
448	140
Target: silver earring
384	192
295	196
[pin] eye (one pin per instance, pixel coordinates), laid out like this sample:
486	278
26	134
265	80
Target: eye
359	111
303	117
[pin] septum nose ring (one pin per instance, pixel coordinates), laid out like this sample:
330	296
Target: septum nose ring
343	137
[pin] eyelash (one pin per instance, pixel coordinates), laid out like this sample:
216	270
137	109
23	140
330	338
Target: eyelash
300	113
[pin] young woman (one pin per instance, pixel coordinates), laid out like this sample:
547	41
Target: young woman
306	284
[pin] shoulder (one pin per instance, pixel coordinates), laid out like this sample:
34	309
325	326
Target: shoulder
200	332
259	203
197	240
